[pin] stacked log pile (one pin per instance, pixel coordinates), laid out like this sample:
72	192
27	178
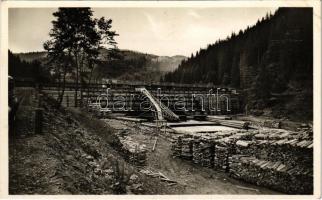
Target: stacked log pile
223	149
272	158
293	152
244	147
182	146
133	151
277	159
221	157
275	175
186	148
287	147
176	146
272	124
203	151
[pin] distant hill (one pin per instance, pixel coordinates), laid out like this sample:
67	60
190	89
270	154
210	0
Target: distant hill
168	64
132	65
137	66
31	56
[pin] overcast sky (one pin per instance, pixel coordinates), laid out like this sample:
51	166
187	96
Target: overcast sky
160	31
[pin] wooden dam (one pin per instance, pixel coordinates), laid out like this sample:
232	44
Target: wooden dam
169	101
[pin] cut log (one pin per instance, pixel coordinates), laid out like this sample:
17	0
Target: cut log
234	123
216	117
155	143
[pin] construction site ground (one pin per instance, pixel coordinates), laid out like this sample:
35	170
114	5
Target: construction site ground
74	155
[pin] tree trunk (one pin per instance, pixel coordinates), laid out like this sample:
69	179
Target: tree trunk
61	96
81	76
76	89
59	84
89	80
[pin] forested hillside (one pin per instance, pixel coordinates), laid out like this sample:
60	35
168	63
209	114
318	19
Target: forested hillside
31	56
136	66
272	62
24	70
129	65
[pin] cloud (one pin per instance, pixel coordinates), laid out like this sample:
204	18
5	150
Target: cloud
156	27
194	14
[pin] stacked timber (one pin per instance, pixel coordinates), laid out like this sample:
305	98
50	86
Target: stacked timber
244	135
274	175
306	133
274	158
294	152
224	148
186	148
203	150
272	124
182	146
133	151
197	148
224	134
221	157
176	146
244	147
273	134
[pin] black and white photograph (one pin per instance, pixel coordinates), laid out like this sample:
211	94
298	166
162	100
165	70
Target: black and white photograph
162	99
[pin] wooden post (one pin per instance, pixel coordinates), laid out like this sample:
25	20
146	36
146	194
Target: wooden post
38	115
155	143
38	121
67	100
75	100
